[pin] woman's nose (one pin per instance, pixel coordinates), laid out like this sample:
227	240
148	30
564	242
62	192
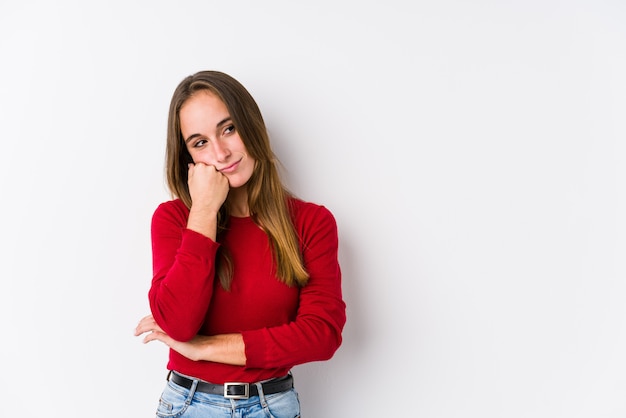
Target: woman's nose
220	151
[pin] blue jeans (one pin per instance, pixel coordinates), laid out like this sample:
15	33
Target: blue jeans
179	402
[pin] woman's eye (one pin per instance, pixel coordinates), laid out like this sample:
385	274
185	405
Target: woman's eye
229	129
199	143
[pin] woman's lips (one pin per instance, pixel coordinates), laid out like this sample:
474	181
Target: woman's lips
230	168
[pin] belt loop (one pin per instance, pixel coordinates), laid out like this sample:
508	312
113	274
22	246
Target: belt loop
192	391
259	388
169	374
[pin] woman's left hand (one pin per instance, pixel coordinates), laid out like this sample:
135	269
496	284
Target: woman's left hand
226	348
154	332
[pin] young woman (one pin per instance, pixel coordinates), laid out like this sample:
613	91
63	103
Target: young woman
246	282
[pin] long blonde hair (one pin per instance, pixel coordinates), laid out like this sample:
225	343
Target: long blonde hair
268	199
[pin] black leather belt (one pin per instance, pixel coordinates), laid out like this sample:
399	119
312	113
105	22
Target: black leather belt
235	390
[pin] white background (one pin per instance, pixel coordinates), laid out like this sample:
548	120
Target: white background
473	154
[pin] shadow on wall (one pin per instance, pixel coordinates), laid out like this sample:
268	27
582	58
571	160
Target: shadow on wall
322	385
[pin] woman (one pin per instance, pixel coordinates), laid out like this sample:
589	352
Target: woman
246	282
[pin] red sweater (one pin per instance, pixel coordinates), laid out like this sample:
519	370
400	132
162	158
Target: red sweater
281	326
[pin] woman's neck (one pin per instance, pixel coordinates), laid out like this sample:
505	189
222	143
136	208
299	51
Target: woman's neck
238	202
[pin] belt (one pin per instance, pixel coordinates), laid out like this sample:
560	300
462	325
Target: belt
235	390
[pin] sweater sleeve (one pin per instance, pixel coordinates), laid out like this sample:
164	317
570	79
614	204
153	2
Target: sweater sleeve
183	272
315	334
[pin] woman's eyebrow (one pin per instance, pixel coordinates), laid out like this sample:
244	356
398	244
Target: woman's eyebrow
224	121
219	124
191	137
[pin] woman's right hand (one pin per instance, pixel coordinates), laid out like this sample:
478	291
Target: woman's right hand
207	186
208	189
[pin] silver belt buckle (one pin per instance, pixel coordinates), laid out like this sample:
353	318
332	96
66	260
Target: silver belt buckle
246	390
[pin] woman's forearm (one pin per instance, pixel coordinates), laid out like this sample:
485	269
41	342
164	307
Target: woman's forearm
225	348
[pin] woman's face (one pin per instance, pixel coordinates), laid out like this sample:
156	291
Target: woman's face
211	138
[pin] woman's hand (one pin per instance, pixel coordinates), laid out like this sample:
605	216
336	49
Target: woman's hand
208	189
191	349
226	348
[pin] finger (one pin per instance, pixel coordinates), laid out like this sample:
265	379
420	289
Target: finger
150	337
141	327
157	336
146	318
147	323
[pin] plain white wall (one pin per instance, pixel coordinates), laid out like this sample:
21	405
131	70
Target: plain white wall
473	154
